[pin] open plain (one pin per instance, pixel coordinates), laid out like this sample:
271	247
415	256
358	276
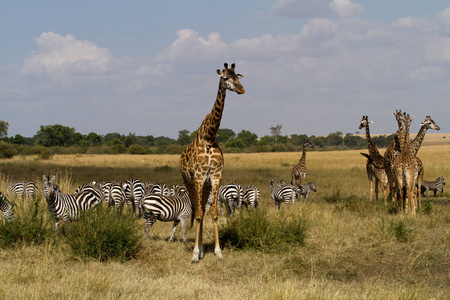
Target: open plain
353	249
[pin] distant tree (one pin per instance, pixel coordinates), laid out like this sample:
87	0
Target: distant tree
275	131
183	137
334	139
130	139
265	140
247	137
164	141
17	139
298	140
3	129
94	139
55	135
224	135
111	136
353	141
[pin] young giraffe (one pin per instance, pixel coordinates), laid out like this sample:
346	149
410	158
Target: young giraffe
406	170
299	170
389	154
201	162
374	159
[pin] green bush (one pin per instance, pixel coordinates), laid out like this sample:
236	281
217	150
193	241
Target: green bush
7	150
103	235
256	231
28	226
45	154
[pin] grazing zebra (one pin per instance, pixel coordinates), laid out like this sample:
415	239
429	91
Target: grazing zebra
436	186
157	188
283	193
231	195
166	209
91	188
305	189
19	188
114	194
251	196
134	192
6	208
63	206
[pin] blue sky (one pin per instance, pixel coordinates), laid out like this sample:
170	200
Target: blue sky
148	67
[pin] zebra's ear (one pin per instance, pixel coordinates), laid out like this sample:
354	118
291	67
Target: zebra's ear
53	179
44	178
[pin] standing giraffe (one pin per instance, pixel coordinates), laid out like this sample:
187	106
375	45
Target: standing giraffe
299	170
374	159
201	162
406	170
389	154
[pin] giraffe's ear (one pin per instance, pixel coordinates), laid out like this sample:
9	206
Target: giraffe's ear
219	73
239	76
412	118
370	122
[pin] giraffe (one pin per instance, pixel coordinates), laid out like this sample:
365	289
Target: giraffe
374	159
414	148
201	162
299	170
389	154
406	170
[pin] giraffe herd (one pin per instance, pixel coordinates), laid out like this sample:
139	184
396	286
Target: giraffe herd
399	168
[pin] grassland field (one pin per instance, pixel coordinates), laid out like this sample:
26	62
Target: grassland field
354	249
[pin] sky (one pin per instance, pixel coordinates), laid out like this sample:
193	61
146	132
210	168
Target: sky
149	67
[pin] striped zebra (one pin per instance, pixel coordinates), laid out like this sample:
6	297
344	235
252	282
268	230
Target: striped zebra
91	188
305	189
114	194
157	188
66	207
134	192
230	195
251	196
166	209
6	208
19	188
283	193
435	186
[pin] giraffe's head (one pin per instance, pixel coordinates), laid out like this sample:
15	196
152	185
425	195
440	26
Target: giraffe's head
399	117
364	122
407	119
308	145
429	124
230	80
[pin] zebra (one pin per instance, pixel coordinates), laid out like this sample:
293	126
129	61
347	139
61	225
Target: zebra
19	188
305	189
436	186
157	188
66	207
251	196
166	209
134	192
283	193
91	188
231	195
114	194
6	208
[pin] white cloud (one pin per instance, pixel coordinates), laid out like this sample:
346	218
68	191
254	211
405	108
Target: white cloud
299	9
66	54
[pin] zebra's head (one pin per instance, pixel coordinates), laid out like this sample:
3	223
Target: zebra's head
49	185
364	122
230	80
312	186
429	124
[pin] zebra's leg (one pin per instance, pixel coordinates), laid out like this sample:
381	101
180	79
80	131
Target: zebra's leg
149	221
175	224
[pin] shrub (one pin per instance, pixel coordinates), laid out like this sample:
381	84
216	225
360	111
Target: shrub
103	235
7	150
45	155
257	232
400	231
28	226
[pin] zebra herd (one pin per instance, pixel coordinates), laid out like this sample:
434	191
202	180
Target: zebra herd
288	193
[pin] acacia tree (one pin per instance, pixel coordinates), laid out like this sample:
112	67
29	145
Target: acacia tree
275	131
3	129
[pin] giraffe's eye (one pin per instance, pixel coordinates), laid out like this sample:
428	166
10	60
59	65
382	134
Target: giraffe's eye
225	78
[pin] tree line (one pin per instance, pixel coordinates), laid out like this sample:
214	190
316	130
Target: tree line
59	139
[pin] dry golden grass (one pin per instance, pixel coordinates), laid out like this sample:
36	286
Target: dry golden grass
352	250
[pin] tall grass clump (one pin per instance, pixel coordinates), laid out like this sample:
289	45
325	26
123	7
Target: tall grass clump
258	231
28	226
103	235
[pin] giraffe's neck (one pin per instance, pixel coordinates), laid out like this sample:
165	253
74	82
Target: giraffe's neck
415	144
303	158
208	130
373	151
